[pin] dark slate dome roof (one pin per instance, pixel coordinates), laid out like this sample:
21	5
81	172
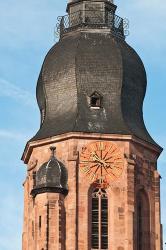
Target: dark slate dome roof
89	60
52	176
80	64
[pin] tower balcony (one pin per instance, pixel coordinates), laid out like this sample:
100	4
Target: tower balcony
90	19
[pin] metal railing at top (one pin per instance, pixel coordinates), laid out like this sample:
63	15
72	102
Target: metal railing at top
93	19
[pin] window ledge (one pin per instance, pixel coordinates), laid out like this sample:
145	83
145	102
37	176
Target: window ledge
95	108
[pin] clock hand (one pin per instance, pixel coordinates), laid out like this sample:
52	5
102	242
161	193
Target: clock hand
100	161
103	162
95	157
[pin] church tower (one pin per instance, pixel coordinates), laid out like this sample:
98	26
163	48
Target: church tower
92	179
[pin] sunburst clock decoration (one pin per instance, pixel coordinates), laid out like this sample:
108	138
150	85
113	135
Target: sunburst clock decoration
102	162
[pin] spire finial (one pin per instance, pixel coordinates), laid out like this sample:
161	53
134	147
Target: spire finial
53	151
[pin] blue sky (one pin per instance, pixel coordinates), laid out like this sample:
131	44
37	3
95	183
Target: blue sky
26	34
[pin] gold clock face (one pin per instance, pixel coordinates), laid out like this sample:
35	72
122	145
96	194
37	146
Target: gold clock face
102	162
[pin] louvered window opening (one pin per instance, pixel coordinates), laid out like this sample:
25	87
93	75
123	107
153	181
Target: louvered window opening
99	220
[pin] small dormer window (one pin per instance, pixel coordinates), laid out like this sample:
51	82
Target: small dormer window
95	100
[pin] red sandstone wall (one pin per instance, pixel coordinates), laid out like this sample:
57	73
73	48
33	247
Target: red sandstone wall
139	172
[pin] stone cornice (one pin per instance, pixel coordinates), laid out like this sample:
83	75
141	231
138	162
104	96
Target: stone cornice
42	190
80	135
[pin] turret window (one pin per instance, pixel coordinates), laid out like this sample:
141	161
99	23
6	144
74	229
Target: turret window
99	220
95	100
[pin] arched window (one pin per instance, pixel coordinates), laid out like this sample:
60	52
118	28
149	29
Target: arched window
143	221
99	221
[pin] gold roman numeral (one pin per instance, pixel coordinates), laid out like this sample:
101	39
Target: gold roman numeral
86	169
102	146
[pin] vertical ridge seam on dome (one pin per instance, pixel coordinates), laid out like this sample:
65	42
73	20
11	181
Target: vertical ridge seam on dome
121	79
123	117
77	114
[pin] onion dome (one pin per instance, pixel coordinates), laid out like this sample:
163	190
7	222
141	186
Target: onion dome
51	177
92	81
